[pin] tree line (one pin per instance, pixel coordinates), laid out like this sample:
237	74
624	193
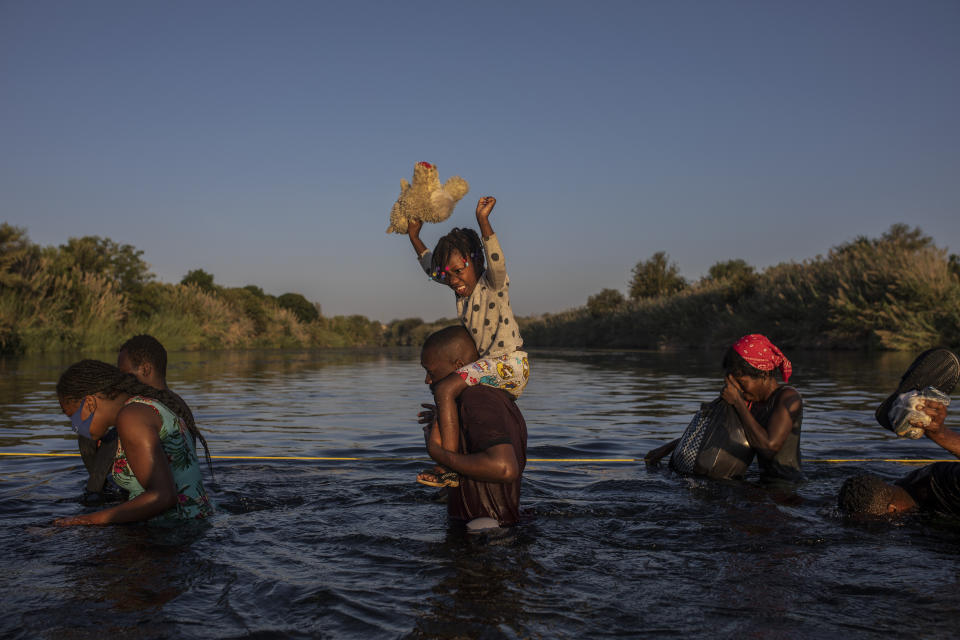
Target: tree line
92	293
899	292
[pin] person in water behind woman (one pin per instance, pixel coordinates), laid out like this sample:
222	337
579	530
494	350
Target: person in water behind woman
770	413
156	461
143	356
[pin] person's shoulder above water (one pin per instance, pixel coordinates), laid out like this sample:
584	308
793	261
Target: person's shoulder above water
935	487
790	397
483	393
481	401
491	416
942	470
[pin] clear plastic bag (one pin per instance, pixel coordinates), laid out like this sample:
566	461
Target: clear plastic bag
906	415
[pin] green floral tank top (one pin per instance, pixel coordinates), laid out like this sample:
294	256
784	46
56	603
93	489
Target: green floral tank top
192	500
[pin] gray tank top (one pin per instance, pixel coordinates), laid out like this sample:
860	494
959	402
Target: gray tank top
786	464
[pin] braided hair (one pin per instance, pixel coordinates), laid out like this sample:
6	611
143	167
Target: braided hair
89	377
462	240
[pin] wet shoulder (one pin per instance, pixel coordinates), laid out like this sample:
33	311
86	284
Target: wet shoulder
484	394
790	398
481	399
946	473
148	406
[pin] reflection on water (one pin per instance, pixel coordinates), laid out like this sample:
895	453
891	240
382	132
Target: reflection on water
357	549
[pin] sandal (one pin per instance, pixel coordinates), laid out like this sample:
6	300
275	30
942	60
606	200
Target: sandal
938	368
433	478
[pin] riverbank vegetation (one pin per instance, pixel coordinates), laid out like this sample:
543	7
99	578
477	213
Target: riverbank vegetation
898	292
91	294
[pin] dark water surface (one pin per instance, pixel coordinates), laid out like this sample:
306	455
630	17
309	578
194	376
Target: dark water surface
338	549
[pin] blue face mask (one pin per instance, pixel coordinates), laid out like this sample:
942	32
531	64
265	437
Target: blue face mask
81	427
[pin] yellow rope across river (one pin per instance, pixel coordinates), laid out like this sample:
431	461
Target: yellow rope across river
591	460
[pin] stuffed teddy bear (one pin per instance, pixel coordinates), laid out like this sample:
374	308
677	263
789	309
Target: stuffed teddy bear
426	199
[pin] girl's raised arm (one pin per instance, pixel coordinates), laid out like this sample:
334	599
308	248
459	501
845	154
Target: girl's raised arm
413	231
496	268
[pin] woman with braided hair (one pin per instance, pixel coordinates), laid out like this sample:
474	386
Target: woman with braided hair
475	270
155	461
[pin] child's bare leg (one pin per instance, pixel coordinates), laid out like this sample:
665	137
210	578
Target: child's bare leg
445	394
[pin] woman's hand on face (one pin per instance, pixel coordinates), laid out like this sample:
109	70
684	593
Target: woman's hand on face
732	393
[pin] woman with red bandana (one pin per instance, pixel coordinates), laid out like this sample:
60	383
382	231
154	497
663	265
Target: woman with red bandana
771	413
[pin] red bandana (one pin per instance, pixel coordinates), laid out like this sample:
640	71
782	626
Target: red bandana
757	350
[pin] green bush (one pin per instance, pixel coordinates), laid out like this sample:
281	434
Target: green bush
358	329
299	306
605	302
411	332
656	277
253	306
199	278
898	291
255	290
736	276
120	264
92	294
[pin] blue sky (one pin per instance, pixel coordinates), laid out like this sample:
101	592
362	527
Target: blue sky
265	141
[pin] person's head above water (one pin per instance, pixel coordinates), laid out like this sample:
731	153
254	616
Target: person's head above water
144	357
445	351
867	494
458	260
92	393
751	361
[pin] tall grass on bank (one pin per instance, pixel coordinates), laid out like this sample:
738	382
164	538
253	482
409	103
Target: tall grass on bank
92	294
897	292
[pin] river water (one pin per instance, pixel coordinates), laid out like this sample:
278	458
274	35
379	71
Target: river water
357	549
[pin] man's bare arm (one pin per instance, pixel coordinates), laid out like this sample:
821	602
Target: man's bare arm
946	438
494	464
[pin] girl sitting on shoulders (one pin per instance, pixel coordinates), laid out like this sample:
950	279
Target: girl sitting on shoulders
477	274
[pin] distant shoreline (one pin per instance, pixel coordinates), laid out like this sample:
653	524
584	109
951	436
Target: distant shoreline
897	292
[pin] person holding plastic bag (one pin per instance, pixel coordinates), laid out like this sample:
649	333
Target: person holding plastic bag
917	408
755	415
926	384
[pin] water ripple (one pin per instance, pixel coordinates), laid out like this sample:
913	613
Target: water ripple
304	549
